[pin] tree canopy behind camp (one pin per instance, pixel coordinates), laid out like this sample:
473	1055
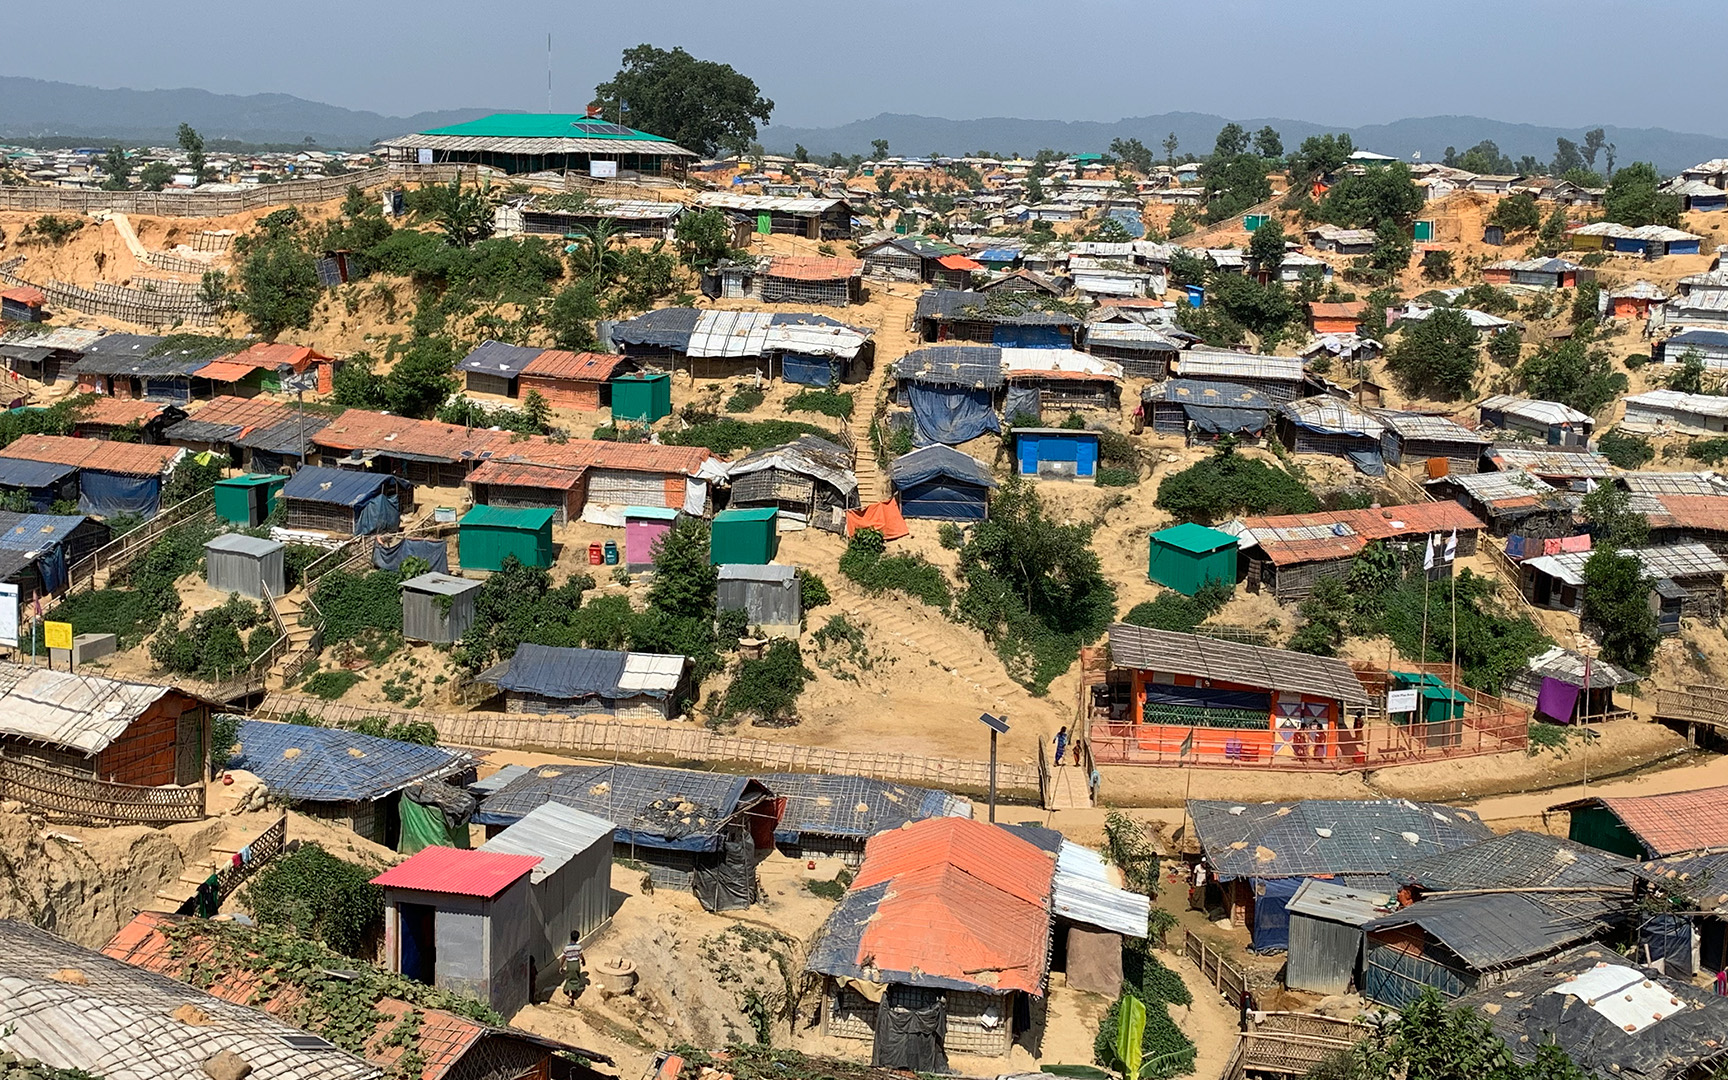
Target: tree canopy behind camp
701	105
1227	484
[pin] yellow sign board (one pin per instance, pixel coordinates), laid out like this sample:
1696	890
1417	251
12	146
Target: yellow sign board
57	635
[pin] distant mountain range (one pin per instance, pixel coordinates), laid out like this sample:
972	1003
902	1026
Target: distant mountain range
34	108
1669	151
37	109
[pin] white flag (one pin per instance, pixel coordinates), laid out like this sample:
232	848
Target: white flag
1428	557
1452	546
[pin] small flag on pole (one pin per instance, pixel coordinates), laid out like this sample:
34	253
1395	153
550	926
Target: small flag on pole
1428	556
1187	744
1452	546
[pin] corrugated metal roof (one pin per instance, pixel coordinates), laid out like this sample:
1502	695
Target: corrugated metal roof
1555	462
1322	899
1314	837
968	306
441	584
531	518
227	418
1214	363
1668	824
122	1022
118	412
1677	402
586	367
730	333
1334	534
650	145
1495	930
1084	891
555	833
309	764
1568	666
1333	416
242	544
1506	488
85	713
400	436
457	871
667	809
1409	425
1674	561
813	268
522	474
724	200
1229	661
130	459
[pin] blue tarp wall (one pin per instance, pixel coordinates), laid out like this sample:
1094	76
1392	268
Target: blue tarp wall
391	556
809	370
106	494
950	415
1271	917
1030	337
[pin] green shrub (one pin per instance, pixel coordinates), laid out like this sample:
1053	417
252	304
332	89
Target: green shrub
1180	614
728	436
950	536
318	896
1164	1050
1625	450
1151	980
1227	484
866	563
827	402
812	590
1709	451
768	688
1117	476
331	685
743	401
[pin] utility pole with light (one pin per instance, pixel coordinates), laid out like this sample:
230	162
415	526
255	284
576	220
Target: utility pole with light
998	725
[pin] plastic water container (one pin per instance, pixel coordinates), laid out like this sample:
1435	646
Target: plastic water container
596	554
611	553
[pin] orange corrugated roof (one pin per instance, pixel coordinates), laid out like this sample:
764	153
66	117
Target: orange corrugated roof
275	354
118	412
587	366
253	412
25	294
133	459
958	262
443	1037
1349	309
523	474
988	852
814	268
225	370
357	429
1360	527
1693	512
1675	822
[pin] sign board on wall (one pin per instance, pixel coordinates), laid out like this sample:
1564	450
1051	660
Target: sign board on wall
425	156
607	169
9	615
1401	701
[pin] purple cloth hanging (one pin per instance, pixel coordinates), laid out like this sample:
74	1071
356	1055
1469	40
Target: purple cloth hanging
1557	700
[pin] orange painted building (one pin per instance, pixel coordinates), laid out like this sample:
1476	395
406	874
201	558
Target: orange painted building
1225	702
1340	318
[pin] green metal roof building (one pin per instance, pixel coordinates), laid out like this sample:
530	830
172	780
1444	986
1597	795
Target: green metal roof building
532	142
643	396
751	537
1188	557
247	500
488	535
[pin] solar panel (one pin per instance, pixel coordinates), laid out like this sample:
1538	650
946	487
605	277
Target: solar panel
307	1042
600	127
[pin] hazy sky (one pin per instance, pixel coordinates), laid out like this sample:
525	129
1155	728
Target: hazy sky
1564	62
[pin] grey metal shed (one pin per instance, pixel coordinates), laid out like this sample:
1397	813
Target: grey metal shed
237	563
1326	935
767	594
571	890
438	608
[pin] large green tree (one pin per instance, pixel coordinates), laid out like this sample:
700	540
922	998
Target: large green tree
1617	602
1267	246
422	378
1380	193
1573	373
1133	152
1320	155
1634	197
1437	355
193	143
118	168
701	105
278	286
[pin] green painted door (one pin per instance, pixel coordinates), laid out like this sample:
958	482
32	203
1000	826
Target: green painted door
1423	231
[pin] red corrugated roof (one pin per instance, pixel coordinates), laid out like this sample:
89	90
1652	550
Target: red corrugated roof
959	262
459	871
225	370
814	268
1681	821
1361	526
25	294
1349	309
118	412
523	474
132	459
586	367
443	1037
357	429
1692	512
274	354
253	412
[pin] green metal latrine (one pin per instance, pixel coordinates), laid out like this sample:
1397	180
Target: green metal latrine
1188	557
642	397
490	534
750	537
247	500
1600	828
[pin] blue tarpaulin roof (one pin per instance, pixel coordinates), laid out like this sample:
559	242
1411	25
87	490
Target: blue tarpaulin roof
321	764
17	472
668	809
853	806
497	358
667	328
934	461
561	673
33	532
343	487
